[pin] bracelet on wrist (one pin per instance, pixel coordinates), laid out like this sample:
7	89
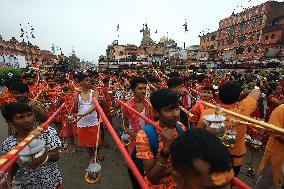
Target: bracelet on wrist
161	165
46	160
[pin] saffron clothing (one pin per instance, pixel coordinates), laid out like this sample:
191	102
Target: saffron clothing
144	152
244	107
274	152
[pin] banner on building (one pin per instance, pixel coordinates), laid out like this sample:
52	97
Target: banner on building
13	61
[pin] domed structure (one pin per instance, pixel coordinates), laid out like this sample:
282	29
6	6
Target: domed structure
163	39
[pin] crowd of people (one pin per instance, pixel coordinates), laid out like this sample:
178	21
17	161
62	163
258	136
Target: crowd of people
183	153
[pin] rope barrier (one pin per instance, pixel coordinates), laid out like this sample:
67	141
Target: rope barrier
120	146
11	157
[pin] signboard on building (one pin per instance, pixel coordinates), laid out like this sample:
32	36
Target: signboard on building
13	61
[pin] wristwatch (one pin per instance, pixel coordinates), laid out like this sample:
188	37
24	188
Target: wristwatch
165	154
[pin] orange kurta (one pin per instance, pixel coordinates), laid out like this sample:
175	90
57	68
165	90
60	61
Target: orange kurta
274	152
144	152
245	107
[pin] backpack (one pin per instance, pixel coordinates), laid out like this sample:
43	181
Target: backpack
154	144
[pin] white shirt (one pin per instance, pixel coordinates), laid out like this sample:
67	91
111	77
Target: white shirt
90	119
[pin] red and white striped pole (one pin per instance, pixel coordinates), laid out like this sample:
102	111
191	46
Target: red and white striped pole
11	157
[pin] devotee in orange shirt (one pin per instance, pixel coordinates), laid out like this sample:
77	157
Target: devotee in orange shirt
229	94
197	109
158	169
273	159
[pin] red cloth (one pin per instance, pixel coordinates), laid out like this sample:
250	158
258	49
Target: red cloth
207	82
51	95
255	114
87	136
134	119
107	100
68	128
222	81
196	110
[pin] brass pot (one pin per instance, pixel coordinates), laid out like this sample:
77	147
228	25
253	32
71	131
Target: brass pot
230	137
215	124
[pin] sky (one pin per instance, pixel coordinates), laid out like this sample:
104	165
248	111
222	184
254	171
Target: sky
89	26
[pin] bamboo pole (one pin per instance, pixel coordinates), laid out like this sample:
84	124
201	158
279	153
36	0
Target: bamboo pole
186	111
245	123
254	121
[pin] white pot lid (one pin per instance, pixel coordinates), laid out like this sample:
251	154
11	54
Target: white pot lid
34	147
214	118
94	167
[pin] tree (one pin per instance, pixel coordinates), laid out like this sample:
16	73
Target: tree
73	60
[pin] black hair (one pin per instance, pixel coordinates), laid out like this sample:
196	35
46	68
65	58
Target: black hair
93	73
200	144
200	78
20	87
8	82
81	77
174	82
187	78
50	78
105	81
135	80
28	75
15	108
63	80
209	88
152	79
271	88
230	92
163	98
173	74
